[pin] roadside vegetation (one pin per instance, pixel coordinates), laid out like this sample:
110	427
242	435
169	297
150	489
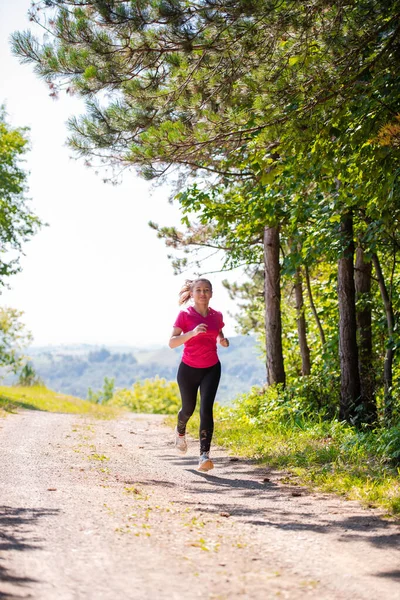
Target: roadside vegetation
40	398
280	428
149	396
286	431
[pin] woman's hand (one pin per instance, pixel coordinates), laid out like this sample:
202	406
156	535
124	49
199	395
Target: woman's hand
178	337
224	342
202	328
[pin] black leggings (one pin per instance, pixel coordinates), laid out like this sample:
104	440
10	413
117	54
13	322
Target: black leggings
190	380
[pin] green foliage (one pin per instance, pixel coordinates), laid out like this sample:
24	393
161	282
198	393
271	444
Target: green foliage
150	396
306	399
13	338
17	223
249	298
28	377
387	444
297	432
104	395
212	77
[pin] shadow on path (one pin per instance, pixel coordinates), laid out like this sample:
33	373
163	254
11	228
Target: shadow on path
389	574
16	536
245	480
12	406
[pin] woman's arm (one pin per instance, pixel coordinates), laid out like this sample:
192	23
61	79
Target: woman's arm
178	338
222	339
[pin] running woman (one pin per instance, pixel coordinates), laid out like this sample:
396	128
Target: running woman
199	328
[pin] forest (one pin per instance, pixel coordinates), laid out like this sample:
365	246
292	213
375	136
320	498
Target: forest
279	124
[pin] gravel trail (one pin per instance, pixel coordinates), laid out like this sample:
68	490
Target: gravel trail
106	510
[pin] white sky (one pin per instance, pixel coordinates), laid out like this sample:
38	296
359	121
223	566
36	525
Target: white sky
97	274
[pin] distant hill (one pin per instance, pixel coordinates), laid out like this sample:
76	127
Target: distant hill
73	369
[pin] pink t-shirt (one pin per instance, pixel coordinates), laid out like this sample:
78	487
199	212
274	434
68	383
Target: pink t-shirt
201	350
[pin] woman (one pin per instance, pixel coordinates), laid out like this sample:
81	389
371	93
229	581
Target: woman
199	328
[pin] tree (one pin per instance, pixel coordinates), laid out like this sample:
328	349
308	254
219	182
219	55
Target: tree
14	337
273	323
189	83
363	287
28	376
17	223
285	97
104	395
302	324
350	377
391	345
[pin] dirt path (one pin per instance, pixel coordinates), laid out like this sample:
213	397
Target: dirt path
106	510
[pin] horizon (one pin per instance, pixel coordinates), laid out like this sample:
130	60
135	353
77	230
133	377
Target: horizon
122	345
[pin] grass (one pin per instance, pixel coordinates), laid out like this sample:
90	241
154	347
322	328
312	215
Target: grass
40	398
328	456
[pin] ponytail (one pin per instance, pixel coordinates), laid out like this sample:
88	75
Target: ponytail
184	293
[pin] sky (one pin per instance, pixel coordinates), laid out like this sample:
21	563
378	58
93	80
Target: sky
96	274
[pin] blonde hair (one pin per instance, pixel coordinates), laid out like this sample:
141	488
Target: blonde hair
186	289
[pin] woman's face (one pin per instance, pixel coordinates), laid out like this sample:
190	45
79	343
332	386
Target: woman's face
201	292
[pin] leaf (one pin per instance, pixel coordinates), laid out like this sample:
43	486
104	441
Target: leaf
268	178
293	60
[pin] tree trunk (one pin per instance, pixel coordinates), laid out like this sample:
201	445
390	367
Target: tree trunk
301	325
272	294
350	379
313	307
362	279
388	366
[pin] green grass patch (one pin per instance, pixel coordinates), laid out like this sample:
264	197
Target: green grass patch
322	453
329	456
100	457
40	398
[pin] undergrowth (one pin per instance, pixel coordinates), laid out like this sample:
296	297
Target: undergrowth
289	431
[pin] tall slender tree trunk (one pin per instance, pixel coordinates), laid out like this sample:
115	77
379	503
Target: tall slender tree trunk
272	294
362	280
350	389
301	325
313	307
388	366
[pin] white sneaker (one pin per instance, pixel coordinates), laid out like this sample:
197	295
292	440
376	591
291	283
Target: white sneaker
205	462
180	442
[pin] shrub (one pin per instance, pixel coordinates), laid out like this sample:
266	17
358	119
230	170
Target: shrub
304	399
150	396
28	377
103	395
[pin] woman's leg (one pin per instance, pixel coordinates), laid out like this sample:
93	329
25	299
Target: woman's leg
188	381
208	390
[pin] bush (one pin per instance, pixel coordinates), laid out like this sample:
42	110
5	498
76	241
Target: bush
103	395
28	377
150	396
304	399
387	444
